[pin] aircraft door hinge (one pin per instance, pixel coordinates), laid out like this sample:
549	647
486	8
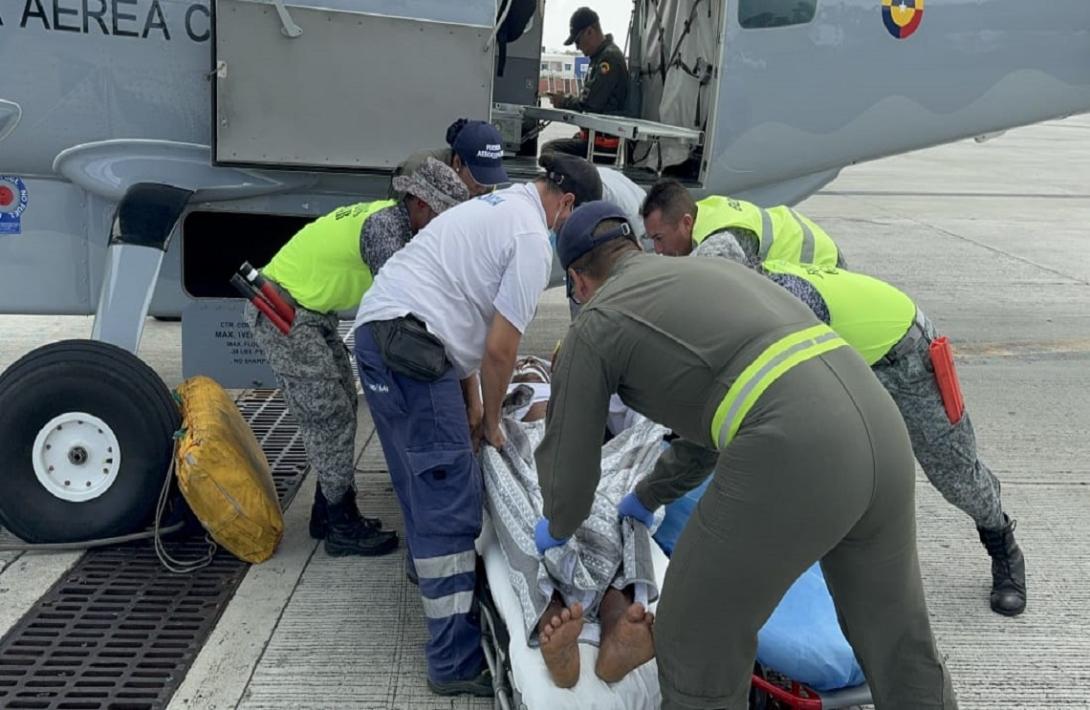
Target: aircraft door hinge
288	26
220	72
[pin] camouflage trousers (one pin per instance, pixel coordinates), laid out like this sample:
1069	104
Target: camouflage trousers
315	375
946	452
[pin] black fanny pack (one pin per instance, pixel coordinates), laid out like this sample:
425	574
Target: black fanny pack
409	349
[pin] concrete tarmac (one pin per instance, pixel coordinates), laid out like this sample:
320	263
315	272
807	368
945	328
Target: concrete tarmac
990	240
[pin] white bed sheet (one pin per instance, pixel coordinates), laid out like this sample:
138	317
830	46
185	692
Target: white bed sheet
638	690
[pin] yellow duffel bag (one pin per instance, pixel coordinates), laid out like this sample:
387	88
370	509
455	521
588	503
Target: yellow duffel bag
224	475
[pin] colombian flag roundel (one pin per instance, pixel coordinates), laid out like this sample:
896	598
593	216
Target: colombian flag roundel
902	17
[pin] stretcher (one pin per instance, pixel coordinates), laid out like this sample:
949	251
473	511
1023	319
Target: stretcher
522	681
518	671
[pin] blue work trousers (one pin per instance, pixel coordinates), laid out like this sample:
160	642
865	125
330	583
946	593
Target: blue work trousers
425	439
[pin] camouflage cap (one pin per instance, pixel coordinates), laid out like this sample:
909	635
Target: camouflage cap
434	183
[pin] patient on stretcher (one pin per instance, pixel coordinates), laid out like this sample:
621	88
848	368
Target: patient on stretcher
596	588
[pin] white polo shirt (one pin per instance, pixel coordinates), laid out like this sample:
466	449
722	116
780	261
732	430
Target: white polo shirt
485	256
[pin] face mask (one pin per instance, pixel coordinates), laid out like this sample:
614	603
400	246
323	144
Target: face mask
555	228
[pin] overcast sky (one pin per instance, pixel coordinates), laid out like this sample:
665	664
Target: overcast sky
613	13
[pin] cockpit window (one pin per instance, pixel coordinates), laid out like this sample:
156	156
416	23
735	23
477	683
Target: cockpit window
753	14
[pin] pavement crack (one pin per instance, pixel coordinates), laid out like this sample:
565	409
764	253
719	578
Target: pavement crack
997	250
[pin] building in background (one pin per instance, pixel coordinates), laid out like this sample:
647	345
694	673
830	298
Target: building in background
562	72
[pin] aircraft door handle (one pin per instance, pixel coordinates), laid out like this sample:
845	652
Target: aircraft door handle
287	25
10	113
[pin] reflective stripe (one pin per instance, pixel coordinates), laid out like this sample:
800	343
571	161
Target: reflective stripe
777	358
767	236
807	256
446	566
443	607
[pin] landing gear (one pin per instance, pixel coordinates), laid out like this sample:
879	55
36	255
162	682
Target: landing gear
85	442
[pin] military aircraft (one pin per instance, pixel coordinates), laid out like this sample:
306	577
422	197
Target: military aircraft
148	147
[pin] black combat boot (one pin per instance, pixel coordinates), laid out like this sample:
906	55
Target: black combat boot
319	513
1008	569
480	686
350	534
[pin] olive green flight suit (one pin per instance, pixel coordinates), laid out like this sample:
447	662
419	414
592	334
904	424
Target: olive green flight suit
784	493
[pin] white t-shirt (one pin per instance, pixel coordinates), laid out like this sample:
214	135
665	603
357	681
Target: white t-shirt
488	255
618	189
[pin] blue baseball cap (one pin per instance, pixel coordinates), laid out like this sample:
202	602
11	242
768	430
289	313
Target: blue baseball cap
577	237
480	146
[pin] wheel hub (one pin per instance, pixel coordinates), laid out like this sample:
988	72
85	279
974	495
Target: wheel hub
76	457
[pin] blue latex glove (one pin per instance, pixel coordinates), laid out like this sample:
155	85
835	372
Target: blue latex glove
543	539
631	507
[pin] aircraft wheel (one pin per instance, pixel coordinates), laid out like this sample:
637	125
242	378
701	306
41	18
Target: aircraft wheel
85	441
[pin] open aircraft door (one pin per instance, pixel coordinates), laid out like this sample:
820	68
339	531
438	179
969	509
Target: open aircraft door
808	86
345	84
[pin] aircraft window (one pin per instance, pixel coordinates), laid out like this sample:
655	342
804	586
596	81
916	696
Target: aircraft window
753	14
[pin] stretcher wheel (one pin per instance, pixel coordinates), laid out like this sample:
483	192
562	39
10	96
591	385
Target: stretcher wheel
86	437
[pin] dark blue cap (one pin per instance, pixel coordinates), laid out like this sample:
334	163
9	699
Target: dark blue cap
580	20
480	146
576	237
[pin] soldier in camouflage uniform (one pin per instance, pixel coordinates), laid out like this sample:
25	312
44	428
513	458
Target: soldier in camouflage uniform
676	224
946	451
606	87
323	269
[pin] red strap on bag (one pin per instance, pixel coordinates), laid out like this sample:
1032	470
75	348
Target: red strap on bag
942	359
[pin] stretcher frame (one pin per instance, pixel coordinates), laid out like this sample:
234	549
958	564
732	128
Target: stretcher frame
494	642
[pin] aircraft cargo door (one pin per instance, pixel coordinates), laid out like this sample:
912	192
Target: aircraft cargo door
352	84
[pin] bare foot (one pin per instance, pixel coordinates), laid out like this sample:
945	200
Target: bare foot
560	647
627	645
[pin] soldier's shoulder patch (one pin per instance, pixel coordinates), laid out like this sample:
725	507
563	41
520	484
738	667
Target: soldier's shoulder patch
604	67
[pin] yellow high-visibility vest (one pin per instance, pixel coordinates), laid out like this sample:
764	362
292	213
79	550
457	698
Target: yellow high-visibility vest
321	266
871	315
783	233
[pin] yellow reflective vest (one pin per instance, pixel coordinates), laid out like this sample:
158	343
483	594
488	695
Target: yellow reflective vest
783	233
871	315
321	266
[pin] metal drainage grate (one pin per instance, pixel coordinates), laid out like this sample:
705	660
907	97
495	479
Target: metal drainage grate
119	632
275	428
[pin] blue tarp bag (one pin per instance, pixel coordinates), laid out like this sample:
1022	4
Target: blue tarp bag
802	639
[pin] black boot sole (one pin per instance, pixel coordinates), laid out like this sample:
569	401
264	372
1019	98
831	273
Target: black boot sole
320	531
334	549
1009	612
468	687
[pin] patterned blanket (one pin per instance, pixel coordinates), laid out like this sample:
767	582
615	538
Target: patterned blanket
605	552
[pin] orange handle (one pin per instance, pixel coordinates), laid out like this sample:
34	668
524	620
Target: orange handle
942	359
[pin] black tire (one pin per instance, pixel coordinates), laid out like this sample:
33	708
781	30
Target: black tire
109	383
